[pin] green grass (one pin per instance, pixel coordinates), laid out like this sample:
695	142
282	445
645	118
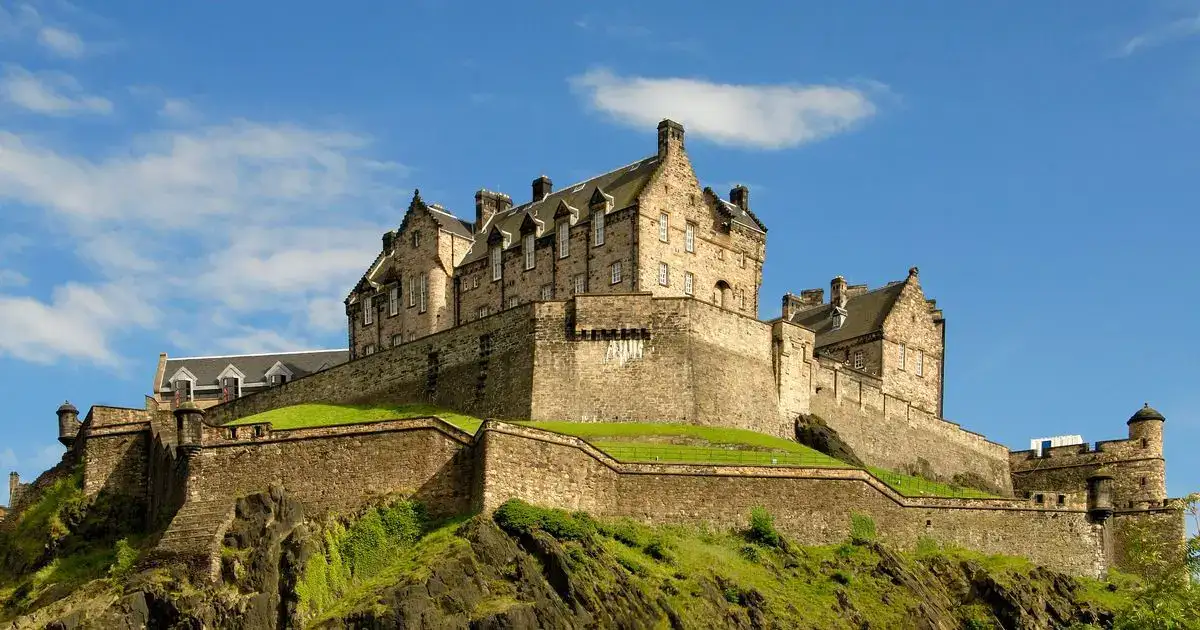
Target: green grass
911	486
318	415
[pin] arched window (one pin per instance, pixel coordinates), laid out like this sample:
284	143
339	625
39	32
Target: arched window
723	294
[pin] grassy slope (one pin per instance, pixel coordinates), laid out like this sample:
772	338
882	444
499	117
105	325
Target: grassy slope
625	441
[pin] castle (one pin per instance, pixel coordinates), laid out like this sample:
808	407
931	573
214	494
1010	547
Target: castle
629	297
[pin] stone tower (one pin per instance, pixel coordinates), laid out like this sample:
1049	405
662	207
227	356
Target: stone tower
68	423
1146	431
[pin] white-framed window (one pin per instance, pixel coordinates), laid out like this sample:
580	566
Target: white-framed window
664	231
858	359
424	291
475	281
689	238
368	350
412	291
397	339
547	292
564	239
279	379
664	274
482	312
394	300
513	301
920	363
182	389
598	227
527	247
368	311
497	263
416	239
688	282
231	387
903	356
616	272
580	284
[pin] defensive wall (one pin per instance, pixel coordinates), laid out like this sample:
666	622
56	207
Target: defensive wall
890	432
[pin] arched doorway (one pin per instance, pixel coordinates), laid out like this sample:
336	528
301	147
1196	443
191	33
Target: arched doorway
723	294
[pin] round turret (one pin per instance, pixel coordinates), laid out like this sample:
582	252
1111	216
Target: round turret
1099	496
189	426
1146	427
68	423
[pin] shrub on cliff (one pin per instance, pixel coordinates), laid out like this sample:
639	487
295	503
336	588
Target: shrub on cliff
519	518
762	528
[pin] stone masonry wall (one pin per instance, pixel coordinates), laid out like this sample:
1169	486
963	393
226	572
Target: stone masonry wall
914	374
116	451
338	468
1138	471
483	367
889	432
811	506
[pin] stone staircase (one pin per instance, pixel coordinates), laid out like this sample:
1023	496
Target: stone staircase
194	535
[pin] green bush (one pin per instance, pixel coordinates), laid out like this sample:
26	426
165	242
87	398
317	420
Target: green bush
517	517
658	550
862	528
125	557
750	553
762	528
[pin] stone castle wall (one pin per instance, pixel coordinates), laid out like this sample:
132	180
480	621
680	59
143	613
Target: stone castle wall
890	432
1137	468
811	506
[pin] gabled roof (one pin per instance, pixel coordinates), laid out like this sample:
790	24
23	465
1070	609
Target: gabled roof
452	224
622	186
865	314
207	370
740	215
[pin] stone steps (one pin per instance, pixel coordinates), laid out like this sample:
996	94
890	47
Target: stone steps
196	531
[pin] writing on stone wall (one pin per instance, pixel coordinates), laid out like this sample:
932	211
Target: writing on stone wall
622	351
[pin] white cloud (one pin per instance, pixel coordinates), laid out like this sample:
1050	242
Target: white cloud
76	323
758	116
239	237
12	278
50	93
61	42
177	109
1168	33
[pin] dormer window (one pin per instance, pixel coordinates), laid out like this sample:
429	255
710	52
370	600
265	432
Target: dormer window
598	227
497	264
182	389
839	317
231	387
368	311
279	379
564	239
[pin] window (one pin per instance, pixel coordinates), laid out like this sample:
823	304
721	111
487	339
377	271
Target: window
513	301
416	239
564	239
369	349
742	260
616	272
394	300
664	274
412	291
920	363
688	281
547	292
483	312
903	359
598	228
412	336
278	379
689	238
580	285
368	312
529	252
424	289
231	387
397	339
663	230
858	359
183	390
475	282
497	266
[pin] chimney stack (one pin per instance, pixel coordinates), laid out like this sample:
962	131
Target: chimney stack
542	187
389	239
487	205
670	138
740	197
837	292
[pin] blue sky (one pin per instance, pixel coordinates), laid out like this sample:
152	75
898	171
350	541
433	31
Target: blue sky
203	178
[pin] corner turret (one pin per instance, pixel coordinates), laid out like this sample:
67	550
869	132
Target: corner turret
1146	427
189	424
68	423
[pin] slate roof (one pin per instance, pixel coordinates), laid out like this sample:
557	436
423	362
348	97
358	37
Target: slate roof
451	223
745	217
623	185
254	366
864	315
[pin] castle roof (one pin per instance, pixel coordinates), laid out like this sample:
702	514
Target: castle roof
865	314
1146	413
452	224
207	370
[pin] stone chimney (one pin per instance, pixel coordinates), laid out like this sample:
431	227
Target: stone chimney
670	138
837	292
389	239
740	197
542	187
855	290
487	205
808	299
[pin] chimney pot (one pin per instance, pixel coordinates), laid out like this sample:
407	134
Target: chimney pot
542	187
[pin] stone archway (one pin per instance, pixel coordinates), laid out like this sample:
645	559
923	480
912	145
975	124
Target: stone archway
723	294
